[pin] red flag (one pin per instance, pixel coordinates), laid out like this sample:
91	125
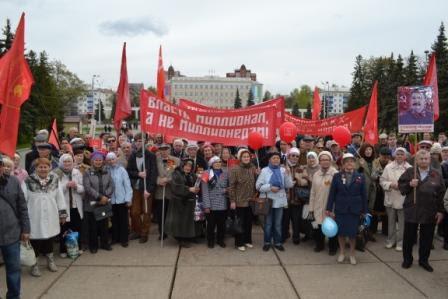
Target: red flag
160	77
371	122
431	80
15	86
123	104
316	105
54	136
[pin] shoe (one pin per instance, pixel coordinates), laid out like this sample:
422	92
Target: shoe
280	247
432	246
306	238
80	252
296	241
107	248
389	245
341	258
143	239
318	249
50	263
93	250
332	252
211	244
125	244
248	245
399	248
221	244
426	266
134	236
353	260
63	255
241	248
406	265
266	247
445	246
35	271
164	237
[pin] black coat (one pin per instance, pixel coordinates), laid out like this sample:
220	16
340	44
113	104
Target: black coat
151	172
429	198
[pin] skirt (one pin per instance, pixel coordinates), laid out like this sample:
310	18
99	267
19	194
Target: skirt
347	225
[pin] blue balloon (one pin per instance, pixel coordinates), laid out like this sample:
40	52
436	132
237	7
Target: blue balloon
367	220
329	227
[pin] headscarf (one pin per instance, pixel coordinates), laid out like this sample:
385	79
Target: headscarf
62	159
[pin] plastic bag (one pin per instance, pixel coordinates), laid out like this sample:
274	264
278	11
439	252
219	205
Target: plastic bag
199	211
71	243
27	255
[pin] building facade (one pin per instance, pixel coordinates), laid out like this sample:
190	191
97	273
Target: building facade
334	99
214	91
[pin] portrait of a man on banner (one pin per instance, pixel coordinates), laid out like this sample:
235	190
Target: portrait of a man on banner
415	109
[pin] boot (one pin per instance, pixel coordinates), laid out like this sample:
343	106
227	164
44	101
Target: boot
51	264
35	271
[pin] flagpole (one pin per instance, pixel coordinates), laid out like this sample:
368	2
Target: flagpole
144	169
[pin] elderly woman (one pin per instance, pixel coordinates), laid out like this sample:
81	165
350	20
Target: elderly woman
20	173
393	200
208	151
226	155
180	217
214	198
47	208
273	182
99	188
348	200
8	165
320	189
71	181
121	200
242	190
423	208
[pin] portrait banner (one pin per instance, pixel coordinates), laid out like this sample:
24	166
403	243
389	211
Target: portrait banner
415	109
353	120
230	128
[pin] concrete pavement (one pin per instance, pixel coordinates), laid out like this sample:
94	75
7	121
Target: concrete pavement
147	271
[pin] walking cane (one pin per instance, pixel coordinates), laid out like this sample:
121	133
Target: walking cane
163	217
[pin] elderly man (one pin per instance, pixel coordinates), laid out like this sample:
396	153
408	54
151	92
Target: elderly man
423	210
354	147
125	154
33	154
178	149
199	163
14	226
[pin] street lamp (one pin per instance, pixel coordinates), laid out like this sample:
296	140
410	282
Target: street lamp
93	97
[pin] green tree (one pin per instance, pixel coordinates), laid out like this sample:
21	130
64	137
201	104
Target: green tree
250	99
98	109
237	104
440	48
411	71
358	88
304	96
267	96
295	110
6	42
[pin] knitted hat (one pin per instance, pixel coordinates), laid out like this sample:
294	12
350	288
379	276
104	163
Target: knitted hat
241	152
213	160
325	153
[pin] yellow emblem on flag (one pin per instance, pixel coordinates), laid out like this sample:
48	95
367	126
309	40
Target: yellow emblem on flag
18	90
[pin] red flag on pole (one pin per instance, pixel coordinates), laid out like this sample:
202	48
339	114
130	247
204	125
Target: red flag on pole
54	136
431	80
15	87
123	104
160	77
316	104
371	122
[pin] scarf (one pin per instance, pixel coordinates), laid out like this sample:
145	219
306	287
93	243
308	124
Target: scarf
276	178
214	176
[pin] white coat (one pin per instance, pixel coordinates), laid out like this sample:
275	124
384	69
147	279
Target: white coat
320	188
45	206
76	194
391	174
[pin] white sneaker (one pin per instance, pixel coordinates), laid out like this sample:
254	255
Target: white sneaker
389	245
80	252
399	248
248	245
63	255
341	258
241	248
35	271
353	260
51	264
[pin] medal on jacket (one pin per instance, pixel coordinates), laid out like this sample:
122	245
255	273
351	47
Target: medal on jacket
344	179
327	183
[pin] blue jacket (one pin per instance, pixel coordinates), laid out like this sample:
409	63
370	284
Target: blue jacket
348	198
123	190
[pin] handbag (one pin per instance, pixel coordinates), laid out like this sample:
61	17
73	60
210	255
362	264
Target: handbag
234	225
199	214
27	254
101	212
261	205
303	193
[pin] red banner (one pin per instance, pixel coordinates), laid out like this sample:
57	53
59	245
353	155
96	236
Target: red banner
353	120
231	128
277	104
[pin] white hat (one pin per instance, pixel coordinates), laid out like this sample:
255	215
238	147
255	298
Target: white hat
311	154
192	145
111	156
325	153
436	148
348	156
383	136
425	142
213	160
241	151
75	140
401	149
294	150
445	148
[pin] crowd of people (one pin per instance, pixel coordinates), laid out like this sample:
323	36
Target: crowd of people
114	193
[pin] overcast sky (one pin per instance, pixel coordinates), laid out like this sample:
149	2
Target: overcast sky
287	43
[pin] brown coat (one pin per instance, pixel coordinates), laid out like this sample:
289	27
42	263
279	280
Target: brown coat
429	198
320	189
242	185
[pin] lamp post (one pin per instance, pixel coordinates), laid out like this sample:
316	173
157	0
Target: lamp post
93	97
